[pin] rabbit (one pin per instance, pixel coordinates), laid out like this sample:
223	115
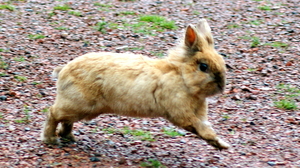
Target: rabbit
175	87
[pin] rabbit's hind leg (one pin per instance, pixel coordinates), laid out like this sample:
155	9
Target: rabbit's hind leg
48	135
65	132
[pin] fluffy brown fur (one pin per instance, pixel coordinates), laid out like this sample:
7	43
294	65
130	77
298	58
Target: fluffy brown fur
174	88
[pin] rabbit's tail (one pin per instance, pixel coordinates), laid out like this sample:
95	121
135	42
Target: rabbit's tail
56	71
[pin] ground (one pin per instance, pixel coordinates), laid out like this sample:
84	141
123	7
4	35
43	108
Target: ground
258	114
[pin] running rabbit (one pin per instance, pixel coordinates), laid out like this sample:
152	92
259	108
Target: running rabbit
174	88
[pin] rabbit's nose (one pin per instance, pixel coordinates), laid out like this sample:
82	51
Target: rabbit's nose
221	88
220	80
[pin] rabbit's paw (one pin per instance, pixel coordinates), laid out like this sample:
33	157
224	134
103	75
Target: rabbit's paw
50	140
68	138
219	143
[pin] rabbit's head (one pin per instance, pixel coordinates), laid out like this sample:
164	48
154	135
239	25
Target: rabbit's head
202	68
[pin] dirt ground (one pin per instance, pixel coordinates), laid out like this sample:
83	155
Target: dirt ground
258	114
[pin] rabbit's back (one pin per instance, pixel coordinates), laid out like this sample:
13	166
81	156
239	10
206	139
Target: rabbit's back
125	84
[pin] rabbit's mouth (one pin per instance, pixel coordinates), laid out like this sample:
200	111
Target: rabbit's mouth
220	82
213	89
218	89
221	88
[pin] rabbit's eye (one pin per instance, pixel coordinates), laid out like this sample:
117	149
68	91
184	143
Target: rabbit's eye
203	67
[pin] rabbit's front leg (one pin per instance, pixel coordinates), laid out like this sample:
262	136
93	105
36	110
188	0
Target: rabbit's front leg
199	126
203	128
206	132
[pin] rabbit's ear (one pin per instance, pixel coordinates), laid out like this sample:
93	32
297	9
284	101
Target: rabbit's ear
196	38
191	38
205	31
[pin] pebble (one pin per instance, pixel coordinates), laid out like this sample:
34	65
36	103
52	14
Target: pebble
181	132
28	10
64	34
110	142
135	36
121	47
252	97
183	141
271	163
3	98
11	128
27	129
94	159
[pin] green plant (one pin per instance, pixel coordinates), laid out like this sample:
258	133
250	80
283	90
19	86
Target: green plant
245	37
172	132
288	88
251	69
277	44
158	54
95	130
36	36
62	28
8	7
158	21
75	13
143	135
51	14
255	42
36	83
278	13
149	24
45	110
62	8
266	8
20	78
2	50
152	18
291	93
140	134
135	48
244	119
19	59
233	25
3	74
27	115
167	25
3	64
113	25
153	163
135	25
25	119
109	130
100	26
127	13
255	22
103	5
196	13
226	116
286	104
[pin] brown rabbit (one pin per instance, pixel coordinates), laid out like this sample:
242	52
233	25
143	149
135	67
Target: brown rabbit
174	88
